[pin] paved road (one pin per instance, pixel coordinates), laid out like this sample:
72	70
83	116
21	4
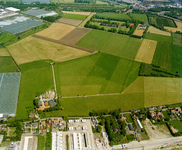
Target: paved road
151	144
170	18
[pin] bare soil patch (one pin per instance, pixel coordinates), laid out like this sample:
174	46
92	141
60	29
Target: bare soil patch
73	22
74	36
146	51
59	42
33	49
154	30
56	31
159	132
77	13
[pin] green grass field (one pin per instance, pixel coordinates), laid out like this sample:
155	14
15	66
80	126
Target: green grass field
32	82
177	39
74	16
177	125
169	57
175	105
113	16
165	113
81	106
140	17
5	36
115	44
11	131
41	142
7	64
159	38
97	74
128	118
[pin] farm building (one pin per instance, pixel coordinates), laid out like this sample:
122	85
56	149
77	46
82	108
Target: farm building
130	127
139	123
52	103
9	88
12	9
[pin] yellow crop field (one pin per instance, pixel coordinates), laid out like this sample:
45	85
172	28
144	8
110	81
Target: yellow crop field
77	13
173	29
85	21
138	32
154	30
179	24
146	51
56	31
32	49
3	52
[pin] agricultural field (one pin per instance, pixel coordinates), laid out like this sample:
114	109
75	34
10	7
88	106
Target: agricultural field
41	142
179	24
81	106
159	38
113	16
173	29
161	21
87	19
74	36
115	44
140	17
56	31
157	90
3	52
96	74
154	30
7	64
77	13
73	22
138	32
32	82
101	2
160	91
5	36
177	125
168	57
146	51
177	39
62	1
32	49
74	16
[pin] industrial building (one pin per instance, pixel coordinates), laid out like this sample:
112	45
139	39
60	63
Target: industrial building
28	142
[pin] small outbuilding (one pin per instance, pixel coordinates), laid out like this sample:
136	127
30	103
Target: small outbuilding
130	126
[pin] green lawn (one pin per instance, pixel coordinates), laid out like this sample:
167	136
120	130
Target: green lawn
7	64
41	142
168	57
140	17
128	118
5	36
81	106
115	44
113	16
177	125
32	82
177	38
159	38
96	74
11	131
175	105
165	113
74	16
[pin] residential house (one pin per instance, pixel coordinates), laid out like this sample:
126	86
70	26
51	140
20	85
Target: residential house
43	123
55	122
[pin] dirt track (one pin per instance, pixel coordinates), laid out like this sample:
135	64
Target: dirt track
59	42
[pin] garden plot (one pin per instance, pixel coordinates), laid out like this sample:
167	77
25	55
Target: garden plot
56	31
73	22
146	51
138	32
74	36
